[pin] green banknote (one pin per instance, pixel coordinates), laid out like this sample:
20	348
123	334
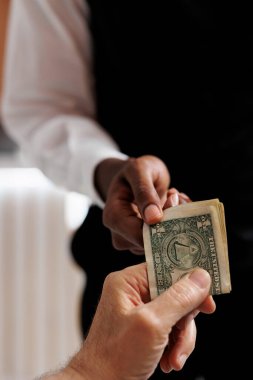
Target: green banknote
190	235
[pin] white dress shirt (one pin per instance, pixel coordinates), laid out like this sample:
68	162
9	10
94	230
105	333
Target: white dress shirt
48	104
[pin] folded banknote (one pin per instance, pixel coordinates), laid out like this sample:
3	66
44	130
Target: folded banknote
190	235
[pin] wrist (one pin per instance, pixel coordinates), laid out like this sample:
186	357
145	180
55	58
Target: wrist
104	173
88	366
70	372
77	367
67	373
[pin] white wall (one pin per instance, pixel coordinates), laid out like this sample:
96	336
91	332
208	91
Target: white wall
40	285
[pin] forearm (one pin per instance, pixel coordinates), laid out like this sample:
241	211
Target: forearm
65	374
81	369
73	371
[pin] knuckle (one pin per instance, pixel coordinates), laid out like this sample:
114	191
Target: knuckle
110	278
146	323
142	190
183	296
135	165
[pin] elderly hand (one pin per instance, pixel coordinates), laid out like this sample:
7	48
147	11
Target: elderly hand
130	335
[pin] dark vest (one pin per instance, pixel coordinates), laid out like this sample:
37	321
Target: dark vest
175	79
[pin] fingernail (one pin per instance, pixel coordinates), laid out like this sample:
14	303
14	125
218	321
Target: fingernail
182	359
174	199
200	277
152	213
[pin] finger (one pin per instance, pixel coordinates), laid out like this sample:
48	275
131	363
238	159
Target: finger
122	244
185	197
182	201
182	343
208	306
148	178
187	319
181	348
172	200
144	183
171	191
136	279
175	198
121	218
181	298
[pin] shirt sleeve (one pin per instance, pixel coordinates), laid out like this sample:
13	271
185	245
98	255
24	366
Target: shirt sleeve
48	104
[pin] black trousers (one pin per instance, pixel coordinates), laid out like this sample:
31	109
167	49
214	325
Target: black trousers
224	339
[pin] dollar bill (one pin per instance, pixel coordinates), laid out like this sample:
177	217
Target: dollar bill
190	235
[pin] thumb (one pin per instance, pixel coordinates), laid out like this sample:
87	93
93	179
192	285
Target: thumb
149	179
181	298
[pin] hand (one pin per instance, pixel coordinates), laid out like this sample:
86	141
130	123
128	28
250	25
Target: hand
130	335
135	190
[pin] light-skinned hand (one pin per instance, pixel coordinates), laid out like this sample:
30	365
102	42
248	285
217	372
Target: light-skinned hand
130	335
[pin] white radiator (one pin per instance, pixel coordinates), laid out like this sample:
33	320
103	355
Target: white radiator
40	285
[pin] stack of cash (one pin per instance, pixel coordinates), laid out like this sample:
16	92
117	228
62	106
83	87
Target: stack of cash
190	235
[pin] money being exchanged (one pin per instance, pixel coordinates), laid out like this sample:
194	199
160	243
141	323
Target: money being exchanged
190	235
